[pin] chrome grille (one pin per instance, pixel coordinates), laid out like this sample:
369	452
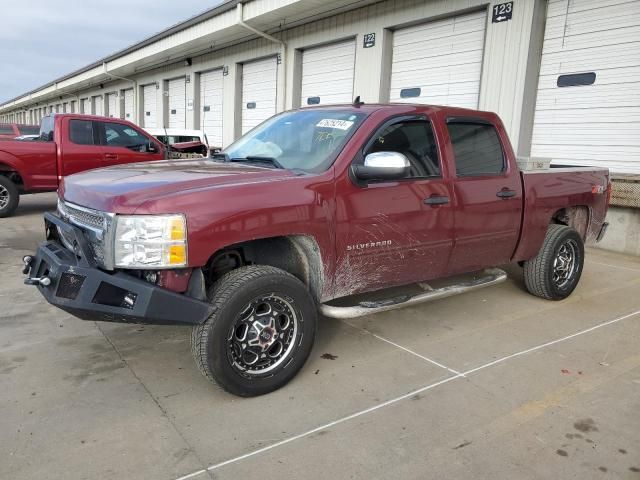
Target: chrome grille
96	228
83	217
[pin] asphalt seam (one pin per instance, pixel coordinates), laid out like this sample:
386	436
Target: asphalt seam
395	400
155	400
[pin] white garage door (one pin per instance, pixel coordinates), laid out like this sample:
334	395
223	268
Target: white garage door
98	105
211	106
111	104
150	117
327	73
259	92
439	62
128	104
588	104
177	103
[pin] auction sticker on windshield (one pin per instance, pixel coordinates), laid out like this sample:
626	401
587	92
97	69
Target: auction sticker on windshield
332	123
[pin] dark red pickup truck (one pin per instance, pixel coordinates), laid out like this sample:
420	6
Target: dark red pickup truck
69	143
302	213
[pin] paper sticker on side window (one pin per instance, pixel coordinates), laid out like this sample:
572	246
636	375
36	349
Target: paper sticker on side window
332	123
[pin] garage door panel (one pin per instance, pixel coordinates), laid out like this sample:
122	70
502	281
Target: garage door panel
149	114
606	57
611	37
259	87
327	73
577	116
441	29
605	78
128	104
466	43
442	58
211	99
596	124
177	103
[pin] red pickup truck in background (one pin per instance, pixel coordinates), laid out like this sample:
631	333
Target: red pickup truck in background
69	143
328	209
9	131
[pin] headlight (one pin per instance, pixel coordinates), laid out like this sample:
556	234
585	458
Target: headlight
150	241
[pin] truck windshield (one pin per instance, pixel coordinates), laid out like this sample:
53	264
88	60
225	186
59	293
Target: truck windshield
308	140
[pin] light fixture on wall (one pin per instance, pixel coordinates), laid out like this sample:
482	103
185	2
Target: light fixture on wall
187	79
101	85
187	62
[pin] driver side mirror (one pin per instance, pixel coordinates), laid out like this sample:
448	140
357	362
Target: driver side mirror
382	166
151	147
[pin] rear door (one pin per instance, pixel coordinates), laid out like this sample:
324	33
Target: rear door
81	149
488	195
121	143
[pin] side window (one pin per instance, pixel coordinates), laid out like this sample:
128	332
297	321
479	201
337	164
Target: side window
477	149
6	130
118	135
81	132
415	140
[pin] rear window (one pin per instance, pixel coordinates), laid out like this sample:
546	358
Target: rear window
476	147
81	132
6	129
29	129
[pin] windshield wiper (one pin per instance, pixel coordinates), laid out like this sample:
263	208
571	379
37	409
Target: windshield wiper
258	159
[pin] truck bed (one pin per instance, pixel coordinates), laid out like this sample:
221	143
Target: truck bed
549	190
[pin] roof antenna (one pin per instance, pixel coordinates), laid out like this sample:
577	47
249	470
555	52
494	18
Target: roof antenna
357	102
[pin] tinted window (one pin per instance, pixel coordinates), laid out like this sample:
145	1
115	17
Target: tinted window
6	130
119	135
29	130
81	132
415	140
477	149
576	79
46	129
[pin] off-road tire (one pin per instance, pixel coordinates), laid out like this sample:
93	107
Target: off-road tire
7	187
539	271
229	298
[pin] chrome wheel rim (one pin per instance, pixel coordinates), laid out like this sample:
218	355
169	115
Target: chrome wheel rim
263	335
4	197
565	264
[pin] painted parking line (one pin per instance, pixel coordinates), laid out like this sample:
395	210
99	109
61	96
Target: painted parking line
405	396
386	340
621	267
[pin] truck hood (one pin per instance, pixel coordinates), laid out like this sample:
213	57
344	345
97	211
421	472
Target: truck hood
123	188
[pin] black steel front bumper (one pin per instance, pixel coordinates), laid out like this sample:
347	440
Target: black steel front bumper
75	284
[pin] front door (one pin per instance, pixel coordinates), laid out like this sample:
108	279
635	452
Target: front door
386	234
124	144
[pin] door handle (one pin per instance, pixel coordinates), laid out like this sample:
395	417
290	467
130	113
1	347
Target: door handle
506	194
435	200
111	156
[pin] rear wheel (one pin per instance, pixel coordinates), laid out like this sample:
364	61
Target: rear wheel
554	273
260	332
9	197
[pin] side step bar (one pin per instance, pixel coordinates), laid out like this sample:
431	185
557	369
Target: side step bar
487	278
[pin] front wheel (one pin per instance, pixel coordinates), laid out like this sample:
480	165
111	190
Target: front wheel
554	273
9	197
260	332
